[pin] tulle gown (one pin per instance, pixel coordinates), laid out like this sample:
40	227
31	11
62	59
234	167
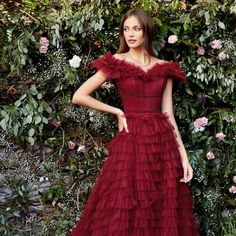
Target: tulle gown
138	192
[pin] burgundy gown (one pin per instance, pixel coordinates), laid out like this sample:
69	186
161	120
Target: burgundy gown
138	192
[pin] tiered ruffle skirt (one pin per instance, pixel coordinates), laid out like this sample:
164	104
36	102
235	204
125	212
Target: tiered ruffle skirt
138	192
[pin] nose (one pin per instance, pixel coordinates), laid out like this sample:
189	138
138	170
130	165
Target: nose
131	32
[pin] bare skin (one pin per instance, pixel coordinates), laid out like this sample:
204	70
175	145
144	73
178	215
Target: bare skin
136	55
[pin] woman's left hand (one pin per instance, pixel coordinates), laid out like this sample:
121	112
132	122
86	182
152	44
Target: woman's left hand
188	171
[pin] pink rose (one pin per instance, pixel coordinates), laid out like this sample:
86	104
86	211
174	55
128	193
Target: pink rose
81	149
216	44
201	50
200	122
172	39
210	156
43	49
222	56
232	189
44	41
220	136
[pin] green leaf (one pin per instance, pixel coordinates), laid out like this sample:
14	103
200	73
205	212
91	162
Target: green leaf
3	113
16	213
188	90
207	17
22	97
37	120
15	129
31	132
221	25
39	96
3	124
45	120
17	103
48	109
33	89
31	140
25	50
29	119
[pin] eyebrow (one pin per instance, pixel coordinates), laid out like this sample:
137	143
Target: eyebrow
132	26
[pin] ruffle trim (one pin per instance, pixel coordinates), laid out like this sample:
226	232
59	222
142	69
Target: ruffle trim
115	68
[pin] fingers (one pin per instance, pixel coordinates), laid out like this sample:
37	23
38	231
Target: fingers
125	124
188	174
122	123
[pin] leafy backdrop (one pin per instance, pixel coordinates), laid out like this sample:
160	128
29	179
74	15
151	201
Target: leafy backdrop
51	150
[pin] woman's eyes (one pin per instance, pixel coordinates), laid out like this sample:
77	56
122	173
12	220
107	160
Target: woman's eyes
126	29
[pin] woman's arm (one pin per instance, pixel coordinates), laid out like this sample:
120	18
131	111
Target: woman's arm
82	97
167	107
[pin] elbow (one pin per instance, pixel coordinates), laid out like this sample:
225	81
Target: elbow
77	100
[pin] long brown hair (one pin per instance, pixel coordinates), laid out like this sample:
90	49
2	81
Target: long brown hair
147	27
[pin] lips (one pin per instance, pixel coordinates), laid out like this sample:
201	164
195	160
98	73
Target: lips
132	41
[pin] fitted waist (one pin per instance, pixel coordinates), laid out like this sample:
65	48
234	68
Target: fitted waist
145	114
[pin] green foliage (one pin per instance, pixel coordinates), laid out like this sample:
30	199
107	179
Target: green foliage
38	79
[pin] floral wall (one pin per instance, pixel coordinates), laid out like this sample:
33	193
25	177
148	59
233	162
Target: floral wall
51	151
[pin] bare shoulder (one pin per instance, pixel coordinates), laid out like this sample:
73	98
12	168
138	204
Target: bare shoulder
159	61
120	56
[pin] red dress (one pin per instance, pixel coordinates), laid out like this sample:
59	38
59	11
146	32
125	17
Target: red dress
138	192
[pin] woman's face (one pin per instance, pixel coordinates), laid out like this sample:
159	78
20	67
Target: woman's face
133	32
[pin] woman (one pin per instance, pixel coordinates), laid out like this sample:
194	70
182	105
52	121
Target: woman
142	188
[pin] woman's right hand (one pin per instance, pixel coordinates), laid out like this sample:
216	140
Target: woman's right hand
122	121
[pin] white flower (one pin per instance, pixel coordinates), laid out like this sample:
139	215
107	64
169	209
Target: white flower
41	179
75	61
210	156
199	129
81	149
172	39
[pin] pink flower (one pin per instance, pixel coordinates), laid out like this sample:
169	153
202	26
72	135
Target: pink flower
172	39
232	189
216	44
234	179
81	149
210	156
44	41
43	49
201	50
222	56
71	145
200	122
220	136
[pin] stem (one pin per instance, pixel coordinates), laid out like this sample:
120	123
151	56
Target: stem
29	16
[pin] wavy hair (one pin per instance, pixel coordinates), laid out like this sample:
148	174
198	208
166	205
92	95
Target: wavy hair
147	27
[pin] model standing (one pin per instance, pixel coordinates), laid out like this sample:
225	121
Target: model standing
142	189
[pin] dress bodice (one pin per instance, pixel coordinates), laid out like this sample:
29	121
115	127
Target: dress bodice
140	91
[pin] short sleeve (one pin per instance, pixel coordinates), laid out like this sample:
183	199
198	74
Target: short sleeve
176	72
107	65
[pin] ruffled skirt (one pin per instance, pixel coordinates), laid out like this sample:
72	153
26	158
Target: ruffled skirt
138	192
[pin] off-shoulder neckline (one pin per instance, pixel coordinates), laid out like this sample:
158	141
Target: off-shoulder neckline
127	63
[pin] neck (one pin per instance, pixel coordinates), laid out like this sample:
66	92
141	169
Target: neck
139	56
137	53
